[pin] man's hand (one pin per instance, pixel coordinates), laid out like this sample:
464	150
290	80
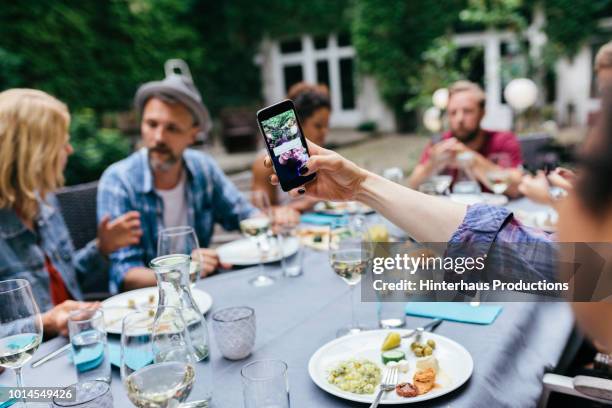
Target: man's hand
209	261
118	233
55	321
444	153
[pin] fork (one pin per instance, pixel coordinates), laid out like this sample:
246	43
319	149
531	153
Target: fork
389	381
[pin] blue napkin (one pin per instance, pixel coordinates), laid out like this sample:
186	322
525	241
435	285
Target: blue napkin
93	359
455	311
7	403
318	219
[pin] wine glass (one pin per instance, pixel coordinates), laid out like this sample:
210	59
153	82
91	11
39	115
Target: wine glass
157	361
498	179
349	255
257	228
182	240
21	327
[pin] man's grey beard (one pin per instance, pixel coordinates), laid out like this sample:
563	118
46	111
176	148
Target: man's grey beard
162	165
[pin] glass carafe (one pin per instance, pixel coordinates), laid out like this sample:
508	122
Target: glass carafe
172	273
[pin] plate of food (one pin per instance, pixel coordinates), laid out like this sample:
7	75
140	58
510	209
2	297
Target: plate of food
244	252
117	307
341	207
351	367
315	237
544	220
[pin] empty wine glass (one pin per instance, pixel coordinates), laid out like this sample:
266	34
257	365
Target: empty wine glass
21	327
182	240
257	227
349	255
157	361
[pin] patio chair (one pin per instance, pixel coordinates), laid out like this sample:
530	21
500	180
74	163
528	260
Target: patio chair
536	150
78	207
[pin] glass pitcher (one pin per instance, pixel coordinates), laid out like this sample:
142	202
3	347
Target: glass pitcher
172	272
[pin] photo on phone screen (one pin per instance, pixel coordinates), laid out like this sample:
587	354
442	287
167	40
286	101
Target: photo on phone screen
286	144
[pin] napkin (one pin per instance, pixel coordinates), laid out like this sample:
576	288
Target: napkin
318	219
455	311
93	358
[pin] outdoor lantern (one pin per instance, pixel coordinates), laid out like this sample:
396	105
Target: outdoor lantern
432	119
521	94
440	98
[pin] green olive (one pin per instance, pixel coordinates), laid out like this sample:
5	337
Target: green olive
414	345
427	351
418	351
431	343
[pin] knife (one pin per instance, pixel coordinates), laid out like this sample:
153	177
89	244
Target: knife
431	326
51	355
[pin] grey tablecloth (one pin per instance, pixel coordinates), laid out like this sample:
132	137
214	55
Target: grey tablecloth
298	315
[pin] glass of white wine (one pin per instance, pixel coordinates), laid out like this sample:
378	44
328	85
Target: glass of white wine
257	227
499	178
182	240
21	327
157	361
349	255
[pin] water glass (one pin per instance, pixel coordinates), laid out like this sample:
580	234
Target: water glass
89	345
292	265
265	384
235	330
90	394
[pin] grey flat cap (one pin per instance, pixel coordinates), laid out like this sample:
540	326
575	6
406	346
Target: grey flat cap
177	85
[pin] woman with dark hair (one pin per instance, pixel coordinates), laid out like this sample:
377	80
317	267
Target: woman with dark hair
313	108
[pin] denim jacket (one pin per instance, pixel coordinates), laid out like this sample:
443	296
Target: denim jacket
22	252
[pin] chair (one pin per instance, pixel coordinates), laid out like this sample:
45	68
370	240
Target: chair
537	150
78	207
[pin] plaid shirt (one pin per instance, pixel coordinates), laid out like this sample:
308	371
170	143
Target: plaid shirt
128	186
513	251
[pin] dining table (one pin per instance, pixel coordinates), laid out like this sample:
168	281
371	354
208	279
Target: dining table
297	315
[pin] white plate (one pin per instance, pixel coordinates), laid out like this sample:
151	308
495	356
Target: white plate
244	252
486	198
341	208
456	364
116	307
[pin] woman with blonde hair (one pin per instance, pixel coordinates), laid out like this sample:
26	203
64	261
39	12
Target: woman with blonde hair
34	241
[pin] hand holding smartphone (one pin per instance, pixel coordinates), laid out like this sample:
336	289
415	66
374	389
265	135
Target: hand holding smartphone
286	143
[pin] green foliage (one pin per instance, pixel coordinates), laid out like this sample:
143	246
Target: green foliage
95	149
570	23
391	37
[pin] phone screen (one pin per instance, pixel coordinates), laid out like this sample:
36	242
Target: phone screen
286	144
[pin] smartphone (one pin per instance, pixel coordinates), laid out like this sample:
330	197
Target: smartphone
286	144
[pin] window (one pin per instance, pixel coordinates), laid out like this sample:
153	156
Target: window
323	72
290	46
292	74
320	42
347	86
344	40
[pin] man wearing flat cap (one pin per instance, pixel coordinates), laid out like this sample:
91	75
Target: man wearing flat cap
169	184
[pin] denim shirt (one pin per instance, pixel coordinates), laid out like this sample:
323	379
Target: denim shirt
128	185
22	252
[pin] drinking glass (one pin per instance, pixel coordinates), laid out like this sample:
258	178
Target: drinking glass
21	327
89	346
235	330
182	240
265	384
257	228
291	264
349	255
498	180
89	394
157	362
